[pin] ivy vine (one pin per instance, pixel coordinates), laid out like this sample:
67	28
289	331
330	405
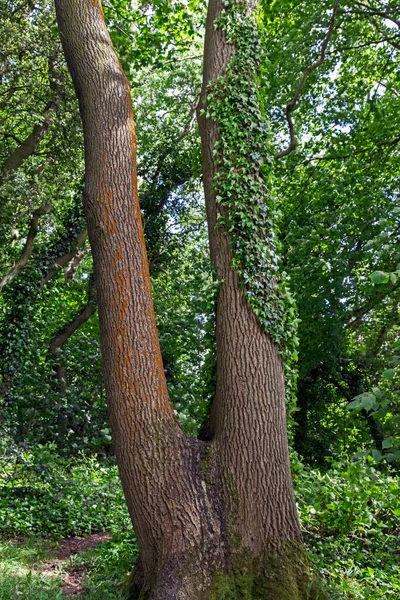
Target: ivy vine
243	183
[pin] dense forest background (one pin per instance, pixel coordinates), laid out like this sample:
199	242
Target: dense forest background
330	90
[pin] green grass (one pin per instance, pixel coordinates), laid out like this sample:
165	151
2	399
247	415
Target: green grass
107	566
19	578
104	569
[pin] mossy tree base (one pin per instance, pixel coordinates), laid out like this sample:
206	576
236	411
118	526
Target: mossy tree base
282	575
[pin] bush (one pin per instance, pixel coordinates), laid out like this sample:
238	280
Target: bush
43	493
350	518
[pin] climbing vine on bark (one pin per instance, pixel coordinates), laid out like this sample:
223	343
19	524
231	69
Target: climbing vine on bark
248	212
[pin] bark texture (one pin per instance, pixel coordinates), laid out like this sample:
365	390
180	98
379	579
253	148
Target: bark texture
159	465
213	519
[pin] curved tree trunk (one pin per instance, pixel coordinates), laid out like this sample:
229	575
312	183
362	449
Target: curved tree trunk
213	519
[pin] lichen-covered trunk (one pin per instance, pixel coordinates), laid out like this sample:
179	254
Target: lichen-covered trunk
213	518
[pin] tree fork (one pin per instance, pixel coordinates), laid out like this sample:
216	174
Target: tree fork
213	519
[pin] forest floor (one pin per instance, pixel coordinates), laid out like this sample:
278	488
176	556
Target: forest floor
40	569
72	578
51	508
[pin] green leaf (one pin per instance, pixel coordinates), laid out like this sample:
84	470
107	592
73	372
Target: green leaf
388	374
379	277
376	455
365	400
368	401
387	443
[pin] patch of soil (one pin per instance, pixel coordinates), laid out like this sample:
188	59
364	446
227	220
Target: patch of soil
70	546
72	585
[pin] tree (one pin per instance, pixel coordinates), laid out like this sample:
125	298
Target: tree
215	516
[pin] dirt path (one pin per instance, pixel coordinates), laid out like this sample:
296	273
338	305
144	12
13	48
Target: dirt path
72	580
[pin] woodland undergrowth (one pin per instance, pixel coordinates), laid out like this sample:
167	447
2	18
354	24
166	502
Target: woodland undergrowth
350	516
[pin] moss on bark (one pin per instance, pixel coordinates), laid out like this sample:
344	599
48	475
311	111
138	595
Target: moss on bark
285	574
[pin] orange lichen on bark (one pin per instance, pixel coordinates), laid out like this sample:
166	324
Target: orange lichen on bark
98	4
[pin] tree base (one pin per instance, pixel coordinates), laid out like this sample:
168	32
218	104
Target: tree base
282	575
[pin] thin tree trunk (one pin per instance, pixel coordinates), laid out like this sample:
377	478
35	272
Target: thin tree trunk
208	516
28	246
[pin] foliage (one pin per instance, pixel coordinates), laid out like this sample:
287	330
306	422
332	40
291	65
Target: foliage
42	299
338	193
351	518
184	297
382	403
41	492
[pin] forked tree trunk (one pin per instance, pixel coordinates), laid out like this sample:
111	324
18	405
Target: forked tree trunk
213	519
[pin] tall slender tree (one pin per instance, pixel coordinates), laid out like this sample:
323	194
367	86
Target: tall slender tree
214	517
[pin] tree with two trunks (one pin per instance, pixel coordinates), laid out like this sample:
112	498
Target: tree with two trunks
215	517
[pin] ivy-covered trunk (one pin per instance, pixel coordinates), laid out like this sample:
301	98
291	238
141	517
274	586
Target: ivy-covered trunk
215	518
255	323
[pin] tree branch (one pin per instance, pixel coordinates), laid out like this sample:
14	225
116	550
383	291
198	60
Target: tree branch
291	105
64	259
29	145
379	13
390	40
69	329
360	312
384	144
28	247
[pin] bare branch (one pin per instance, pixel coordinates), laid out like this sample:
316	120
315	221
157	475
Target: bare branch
28	247
63	260
69	329
291	105
30	144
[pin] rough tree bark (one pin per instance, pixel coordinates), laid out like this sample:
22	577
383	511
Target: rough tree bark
213	518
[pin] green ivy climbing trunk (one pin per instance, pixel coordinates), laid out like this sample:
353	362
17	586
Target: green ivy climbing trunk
247	424
215	518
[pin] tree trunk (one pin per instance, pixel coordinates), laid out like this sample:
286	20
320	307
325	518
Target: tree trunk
213	519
